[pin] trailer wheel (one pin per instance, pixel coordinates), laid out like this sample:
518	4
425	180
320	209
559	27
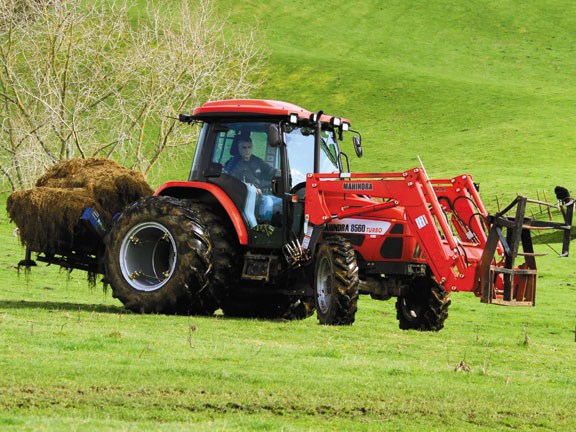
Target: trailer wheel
159	259
425	308
336	282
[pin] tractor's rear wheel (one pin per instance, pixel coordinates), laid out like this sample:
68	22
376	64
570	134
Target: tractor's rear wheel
425	308
336	282
160	259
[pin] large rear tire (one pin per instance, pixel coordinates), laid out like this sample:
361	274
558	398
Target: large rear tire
336	282
160	259
425	308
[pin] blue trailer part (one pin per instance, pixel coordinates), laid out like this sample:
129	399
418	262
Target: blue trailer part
95	221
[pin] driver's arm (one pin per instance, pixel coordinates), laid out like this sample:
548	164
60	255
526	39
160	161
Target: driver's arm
269	170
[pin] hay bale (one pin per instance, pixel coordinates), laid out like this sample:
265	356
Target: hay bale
111	185
48	214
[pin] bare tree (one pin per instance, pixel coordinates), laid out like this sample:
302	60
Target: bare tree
83	81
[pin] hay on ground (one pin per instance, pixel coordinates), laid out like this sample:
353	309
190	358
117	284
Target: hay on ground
48	214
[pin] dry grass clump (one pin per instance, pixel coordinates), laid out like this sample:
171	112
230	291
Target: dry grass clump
48	214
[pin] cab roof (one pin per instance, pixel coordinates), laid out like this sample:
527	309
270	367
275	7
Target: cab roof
253	107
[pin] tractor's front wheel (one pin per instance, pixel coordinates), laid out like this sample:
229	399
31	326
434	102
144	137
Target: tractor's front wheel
336	282
424	308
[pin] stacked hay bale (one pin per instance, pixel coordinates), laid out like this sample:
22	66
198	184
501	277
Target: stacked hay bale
48	215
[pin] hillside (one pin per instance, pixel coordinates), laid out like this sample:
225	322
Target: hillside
482	87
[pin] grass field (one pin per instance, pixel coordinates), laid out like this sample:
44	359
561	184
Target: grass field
483	87
73	359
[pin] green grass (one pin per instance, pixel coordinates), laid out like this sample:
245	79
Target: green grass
74	359
480	87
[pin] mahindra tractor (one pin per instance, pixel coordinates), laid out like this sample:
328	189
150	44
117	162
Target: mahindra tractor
295	231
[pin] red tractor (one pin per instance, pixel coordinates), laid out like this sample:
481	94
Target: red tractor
289	229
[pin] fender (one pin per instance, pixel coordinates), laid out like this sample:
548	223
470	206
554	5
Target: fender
181	186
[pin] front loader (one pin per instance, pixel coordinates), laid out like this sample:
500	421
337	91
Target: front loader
442	240
312	235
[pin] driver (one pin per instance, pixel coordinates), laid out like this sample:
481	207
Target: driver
251	169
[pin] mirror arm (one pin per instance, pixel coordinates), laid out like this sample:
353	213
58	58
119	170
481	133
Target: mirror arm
347	161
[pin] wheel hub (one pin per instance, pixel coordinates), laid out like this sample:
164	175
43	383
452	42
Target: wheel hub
148	256
324	285
410	308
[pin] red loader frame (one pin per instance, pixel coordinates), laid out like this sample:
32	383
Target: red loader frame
463	245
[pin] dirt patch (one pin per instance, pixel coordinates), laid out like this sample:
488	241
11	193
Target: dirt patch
48	214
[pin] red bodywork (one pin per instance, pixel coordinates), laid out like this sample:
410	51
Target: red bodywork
256	107
444	218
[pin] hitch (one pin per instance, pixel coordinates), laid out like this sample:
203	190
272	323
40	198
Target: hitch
504	282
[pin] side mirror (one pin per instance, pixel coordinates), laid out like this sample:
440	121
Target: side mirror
274	138
357	146
185	118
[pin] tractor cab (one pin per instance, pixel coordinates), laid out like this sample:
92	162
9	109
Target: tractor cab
260	160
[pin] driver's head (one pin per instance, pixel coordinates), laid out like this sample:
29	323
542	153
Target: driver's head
245	148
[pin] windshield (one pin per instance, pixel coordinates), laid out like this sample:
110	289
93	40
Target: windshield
300	145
